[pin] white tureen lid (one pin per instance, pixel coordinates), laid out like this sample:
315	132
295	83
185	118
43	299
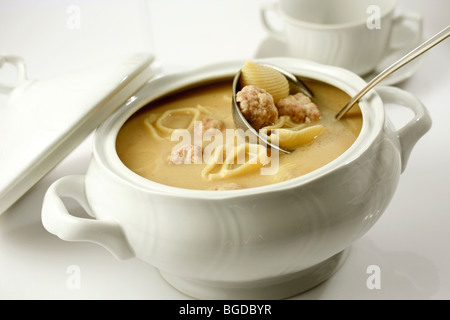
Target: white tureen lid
45	120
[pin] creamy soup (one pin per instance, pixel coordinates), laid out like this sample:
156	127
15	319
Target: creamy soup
144	143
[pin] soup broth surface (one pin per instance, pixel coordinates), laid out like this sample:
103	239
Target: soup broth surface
144	142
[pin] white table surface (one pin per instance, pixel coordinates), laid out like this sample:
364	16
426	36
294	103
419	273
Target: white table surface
410	242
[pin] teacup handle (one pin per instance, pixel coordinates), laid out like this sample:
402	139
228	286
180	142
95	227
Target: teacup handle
403	19
265	9
412	131
57	220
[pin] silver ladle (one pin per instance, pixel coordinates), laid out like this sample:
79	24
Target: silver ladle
296	85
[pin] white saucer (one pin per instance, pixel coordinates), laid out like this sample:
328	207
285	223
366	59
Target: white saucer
272	47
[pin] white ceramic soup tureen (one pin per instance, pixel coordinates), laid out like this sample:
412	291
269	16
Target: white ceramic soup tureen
268	242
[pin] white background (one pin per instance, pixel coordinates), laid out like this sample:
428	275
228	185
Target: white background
410	243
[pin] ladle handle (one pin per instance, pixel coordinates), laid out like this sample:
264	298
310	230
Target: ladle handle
427	45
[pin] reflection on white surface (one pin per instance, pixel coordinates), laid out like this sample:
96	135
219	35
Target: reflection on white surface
403	275
409	243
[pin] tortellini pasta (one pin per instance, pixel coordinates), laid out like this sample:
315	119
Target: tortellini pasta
286	172
285	122
235	160
160	127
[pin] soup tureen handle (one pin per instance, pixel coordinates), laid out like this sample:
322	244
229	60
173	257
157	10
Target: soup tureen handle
416	127
57	220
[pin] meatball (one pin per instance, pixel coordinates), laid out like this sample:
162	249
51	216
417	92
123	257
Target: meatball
257	106
187	153
299	107
208	123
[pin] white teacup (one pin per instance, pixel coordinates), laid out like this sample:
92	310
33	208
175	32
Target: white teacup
352	34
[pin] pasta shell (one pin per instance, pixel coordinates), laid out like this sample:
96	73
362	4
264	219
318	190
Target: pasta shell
265	78
290	139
